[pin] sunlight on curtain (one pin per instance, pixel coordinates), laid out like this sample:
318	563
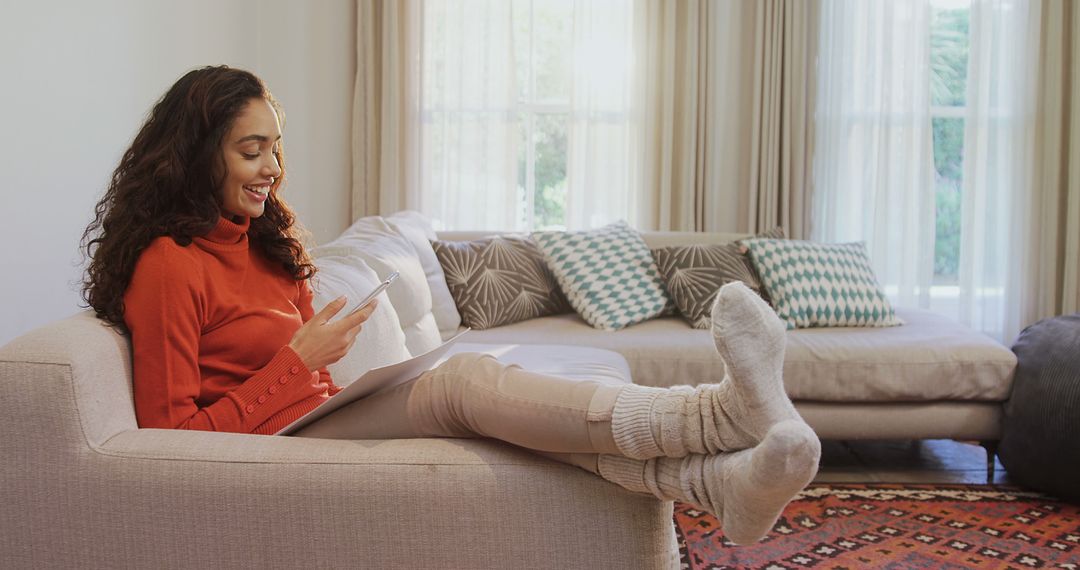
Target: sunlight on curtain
604	140
495	110
873	165
468	127
996	287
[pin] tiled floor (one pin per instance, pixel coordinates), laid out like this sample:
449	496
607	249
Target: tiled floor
926	461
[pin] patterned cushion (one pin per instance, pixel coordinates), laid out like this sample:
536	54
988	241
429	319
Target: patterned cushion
821	284
694	273
608	274
499	280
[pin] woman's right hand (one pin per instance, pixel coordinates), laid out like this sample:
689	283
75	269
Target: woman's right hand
320	342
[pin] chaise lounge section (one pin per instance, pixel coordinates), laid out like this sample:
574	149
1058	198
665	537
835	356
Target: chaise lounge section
930	378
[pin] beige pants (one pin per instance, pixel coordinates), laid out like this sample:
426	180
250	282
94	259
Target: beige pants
475	395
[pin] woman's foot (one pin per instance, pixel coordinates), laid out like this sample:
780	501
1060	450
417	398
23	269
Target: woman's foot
751	339
711	418
746	490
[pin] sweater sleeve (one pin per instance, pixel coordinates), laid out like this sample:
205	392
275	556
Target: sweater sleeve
305	297
164	308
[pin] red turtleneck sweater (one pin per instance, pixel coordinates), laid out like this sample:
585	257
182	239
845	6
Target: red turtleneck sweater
210	327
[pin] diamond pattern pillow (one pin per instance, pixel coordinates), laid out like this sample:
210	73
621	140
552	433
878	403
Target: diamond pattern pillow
821	284
608	274
499	280
694	273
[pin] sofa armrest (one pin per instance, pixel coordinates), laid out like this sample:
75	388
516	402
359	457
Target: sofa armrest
164	498
202	446
70	378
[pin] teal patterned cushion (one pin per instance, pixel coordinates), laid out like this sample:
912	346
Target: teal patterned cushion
607	274
821	284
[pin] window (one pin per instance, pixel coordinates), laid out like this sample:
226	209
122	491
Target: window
525	118
948	83
542	38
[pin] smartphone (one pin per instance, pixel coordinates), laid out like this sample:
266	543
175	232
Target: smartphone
371	297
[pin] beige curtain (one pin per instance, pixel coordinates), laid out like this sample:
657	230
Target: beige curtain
386	95
672	47
1055	282
782	129
709	165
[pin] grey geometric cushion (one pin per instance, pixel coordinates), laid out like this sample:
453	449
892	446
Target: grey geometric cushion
821	284
694	273
608	274
499	280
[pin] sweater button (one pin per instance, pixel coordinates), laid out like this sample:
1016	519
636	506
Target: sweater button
272	389
294	370
250	408
282	380
262	398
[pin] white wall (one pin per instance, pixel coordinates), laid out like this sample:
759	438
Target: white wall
77	79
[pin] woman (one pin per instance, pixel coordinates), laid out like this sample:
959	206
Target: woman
196	255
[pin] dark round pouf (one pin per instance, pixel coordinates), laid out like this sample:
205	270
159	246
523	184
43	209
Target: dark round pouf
1040	446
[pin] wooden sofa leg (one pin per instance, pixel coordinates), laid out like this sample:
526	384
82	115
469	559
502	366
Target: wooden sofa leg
991	447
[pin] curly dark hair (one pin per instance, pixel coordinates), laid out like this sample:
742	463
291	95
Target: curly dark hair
166	185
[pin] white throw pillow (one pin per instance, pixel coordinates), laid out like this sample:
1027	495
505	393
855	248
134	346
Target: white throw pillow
381	340
417	229
375	243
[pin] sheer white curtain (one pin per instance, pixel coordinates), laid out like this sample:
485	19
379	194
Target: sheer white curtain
468	122
997	279
873	165
603	184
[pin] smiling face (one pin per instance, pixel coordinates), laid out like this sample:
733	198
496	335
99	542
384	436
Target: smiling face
250	150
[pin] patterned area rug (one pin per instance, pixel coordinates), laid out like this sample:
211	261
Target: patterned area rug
897	526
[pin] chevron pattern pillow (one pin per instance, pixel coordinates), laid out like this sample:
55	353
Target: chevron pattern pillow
499	280
821	284
608	274
694	273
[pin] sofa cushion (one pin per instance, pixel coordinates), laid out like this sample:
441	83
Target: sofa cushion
574	362
930	358
821	284
499	280
381	340
416	228
608	274
694	273
375	243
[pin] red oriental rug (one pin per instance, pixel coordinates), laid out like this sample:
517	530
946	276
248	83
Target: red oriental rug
897	526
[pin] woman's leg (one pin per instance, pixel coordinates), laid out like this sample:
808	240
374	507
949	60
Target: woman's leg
746	490
672	443
475	395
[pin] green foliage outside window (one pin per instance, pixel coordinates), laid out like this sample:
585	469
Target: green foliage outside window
948	83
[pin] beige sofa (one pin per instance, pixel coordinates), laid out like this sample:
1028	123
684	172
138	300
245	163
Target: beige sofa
81	485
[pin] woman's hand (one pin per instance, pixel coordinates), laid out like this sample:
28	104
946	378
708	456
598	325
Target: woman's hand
320	342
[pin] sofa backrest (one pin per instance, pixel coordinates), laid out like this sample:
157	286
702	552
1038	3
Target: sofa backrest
652	239
67	380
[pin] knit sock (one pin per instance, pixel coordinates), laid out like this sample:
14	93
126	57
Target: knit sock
751	338
710	418
746	490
